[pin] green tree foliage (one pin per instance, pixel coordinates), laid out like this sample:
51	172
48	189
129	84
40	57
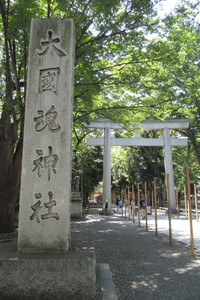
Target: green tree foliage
87	163
120	73
173	82
132	165
169	84
91	169
15	18
101	31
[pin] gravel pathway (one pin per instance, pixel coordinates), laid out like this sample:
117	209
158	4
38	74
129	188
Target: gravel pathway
143	265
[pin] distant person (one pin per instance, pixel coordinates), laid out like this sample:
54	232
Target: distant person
106	204
117	201
142	207
132	207
120	204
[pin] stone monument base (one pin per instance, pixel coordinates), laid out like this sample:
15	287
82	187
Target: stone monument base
47	276
107	212
76	207
174	211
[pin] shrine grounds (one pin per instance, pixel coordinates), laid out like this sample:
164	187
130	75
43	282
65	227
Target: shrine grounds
142	265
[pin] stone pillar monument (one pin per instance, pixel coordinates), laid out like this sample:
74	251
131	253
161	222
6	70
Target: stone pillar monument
43	268
76	199
44	218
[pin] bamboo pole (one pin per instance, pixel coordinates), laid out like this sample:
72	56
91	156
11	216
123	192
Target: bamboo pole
125	201
133	203
186	205
122	203
145	197
190	212
129	204
155	205
152	197
169	210
177	208
138	203
196	202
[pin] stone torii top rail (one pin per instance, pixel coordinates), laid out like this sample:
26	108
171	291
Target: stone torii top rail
166	141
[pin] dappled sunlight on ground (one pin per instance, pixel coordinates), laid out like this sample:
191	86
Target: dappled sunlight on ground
180	227
117	221
170	254
141	283
189	267
143	265
88	219
106	231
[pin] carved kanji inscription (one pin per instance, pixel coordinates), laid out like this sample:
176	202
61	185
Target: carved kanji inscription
49	80
47	120
37	208
48	162
50	44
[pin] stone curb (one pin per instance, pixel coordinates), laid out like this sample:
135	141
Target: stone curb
107	285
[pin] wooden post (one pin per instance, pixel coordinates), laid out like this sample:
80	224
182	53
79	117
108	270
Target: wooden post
145	197
186	205
190	212
113	198
177	208
129	204
155	205
152	197
133	203
169	210
138	203
122	203
196	202
125	201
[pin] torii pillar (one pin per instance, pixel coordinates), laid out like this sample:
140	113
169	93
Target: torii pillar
166	141
169	167
107	167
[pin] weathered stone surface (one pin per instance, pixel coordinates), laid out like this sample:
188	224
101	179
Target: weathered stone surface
76	207
26	276
44	218
76	199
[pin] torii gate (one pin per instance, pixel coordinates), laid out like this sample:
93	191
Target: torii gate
165	141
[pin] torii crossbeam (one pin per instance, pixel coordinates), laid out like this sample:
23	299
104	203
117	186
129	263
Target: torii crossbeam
165	141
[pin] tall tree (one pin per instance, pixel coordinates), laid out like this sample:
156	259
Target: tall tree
171	84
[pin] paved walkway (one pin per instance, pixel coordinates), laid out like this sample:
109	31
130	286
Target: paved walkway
143	265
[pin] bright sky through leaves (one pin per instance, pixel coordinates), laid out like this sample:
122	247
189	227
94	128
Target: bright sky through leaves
167	6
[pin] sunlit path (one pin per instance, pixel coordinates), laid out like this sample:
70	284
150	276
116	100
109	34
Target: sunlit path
180	226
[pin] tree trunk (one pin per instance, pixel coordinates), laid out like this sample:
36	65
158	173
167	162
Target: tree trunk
9	178
10	142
